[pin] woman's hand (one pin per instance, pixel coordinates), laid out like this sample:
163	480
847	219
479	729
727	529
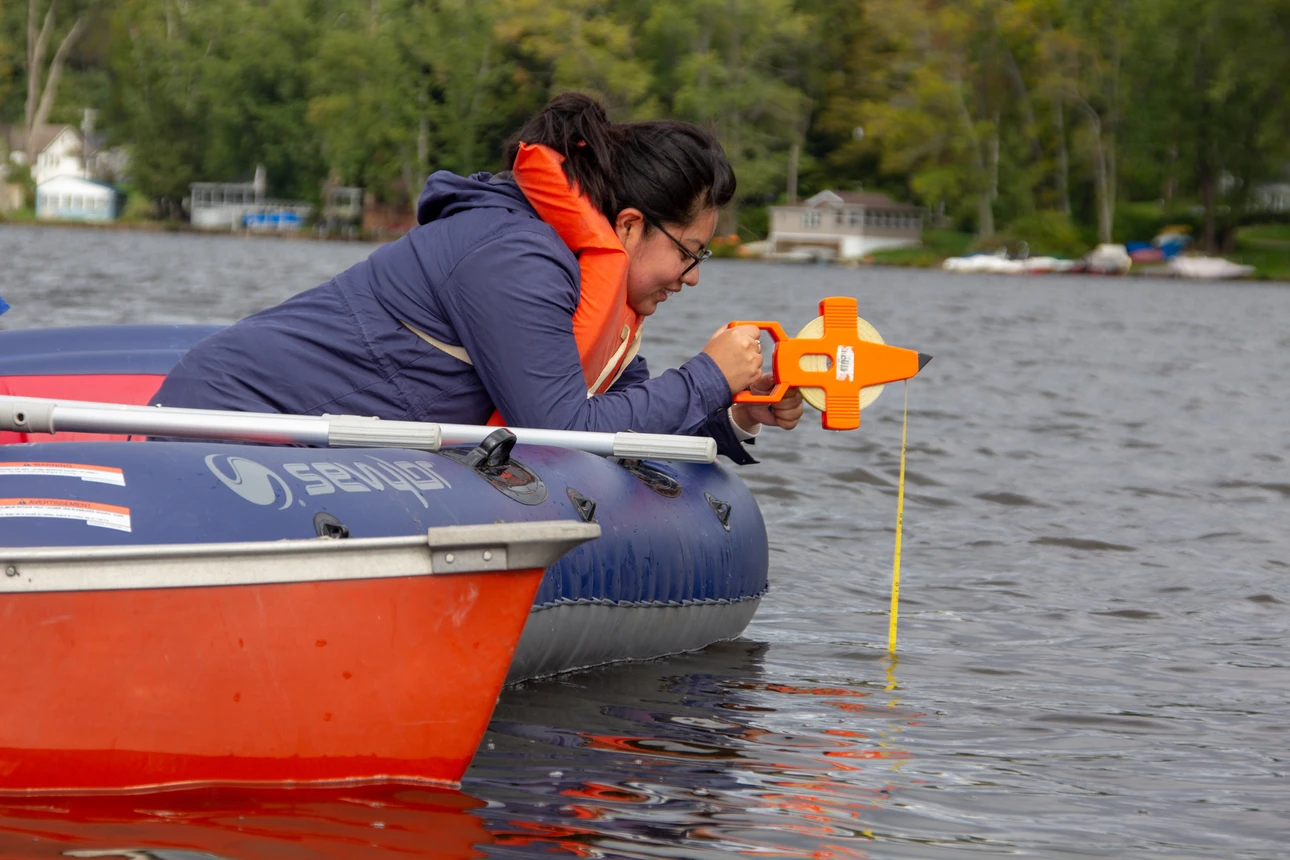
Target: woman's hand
786	413
737	352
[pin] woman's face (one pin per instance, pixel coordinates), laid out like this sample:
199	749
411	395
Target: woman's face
657	261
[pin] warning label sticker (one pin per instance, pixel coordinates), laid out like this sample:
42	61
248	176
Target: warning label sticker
91	513
845	364
97	474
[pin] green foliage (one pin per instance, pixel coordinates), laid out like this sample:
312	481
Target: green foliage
574	44
1141	222
938	245
138	206
734	66
1048	233
258	84
914	258
1266	247
1268	234
362	104
986	111
8	63
20	174
754	223
950	243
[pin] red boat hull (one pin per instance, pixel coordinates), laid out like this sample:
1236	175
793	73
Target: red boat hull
297	682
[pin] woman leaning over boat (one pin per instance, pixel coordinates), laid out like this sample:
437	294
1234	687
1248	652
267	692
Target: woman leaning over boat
485	310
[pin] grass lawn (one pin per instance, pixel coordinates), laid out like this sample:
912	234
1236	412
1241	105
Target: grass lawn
18	216
937	246
1267	248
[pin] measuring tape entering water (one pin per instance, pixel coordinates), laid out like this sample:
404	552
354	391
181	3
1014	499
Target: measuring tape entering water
815	397
839	363
900	522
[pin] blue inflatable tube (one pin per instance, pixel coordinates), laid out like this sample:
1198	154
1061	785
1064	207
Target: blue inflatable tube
682	561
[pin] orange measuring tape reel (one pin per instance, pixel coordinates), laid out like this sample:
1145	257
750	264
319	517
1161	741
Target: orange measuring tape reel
854	362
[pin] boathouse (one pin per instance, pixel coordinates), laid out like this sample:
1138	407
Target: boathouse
70	198
244	206
844	225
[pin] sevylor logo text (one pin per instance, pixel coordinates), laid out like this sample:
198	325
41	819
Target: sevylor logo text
262	486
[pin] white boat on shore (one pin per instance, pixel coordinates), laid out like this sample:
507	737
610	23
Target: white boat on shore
1102	260
1207	268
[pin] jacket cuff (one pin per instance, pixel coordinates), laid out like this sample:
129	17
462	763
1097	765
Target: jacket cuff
721	428
740	433
709	382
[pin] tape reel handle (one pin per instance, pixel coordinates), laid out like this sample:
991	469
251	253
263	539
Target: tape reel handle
780	391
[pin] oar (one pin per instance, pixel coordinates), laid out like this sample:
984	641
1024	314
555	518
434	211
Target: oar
38	415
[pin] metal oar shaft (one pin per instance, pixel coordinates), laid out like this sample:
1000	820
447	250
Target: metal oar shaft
37	415
52	416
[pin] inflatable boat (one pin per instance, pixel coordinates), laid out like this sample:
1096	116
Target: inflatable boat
681	561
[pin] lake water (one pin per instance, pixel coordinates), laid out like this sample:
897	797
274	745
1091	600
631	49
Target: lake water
1095	594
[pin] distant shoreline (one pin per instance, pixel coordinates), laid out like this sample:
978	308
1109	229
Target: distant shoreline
311	236
181	227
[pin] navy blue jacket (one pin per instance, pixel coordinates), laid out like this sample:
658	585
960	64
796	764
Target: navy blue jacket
483	272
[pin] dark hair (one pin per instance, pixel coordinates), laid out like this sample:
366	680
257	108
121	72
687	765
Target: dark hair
667	169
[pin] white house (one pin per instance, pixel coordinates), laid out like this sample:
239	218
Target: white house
70	198
59	151
61	154
845	225
1272	196
64	150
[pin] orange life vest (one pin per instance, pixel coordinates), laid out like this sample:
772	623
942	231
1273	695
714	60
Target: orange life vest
606	329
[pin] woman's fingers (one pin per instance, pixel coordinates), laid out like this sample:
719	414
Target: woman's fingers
737	352
764	384
788	412
784	414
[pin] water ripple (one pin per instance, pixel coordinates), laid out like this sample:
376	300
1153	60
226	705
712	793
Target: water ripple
1093	643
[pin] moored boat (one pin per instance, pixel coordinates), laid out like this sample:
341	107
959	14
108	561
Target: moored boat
271	661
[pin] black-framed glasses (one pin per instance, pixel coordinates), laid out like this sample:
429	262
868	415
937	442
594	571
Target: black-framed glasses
696	259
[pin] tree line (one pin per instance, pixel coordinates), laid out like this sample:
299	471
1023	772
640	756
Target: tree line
988	112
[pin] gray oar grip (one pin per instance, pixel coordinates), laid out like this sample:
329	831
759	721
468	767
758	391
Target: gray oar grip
654	446
356	431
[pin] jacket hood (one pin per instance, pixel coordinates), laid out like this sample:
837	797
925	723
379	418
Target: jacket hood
445	194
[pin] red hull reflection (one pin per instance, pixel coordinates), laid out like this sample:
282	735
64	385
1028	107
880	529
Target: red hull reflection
237	824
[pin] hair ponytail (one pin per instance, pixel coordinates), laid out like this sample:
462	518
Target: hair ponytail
667	169
576	126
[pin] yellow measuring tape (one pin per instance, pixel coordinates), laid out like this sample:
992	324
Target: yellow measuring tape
816	397
900	522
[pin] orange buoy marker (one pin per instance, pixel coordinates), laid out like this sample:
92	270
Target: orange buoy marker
856	359
853	363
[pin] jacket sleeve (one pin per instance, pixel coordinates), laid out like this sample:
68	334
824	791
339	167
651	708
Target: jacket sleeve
717	426
511	302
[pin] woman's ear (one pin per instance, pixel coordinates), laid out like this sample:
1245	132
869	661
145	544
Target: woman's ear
630	227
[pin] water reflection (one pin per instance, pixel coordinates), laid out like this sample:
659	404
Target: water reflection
694	757
1096	621
240	824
